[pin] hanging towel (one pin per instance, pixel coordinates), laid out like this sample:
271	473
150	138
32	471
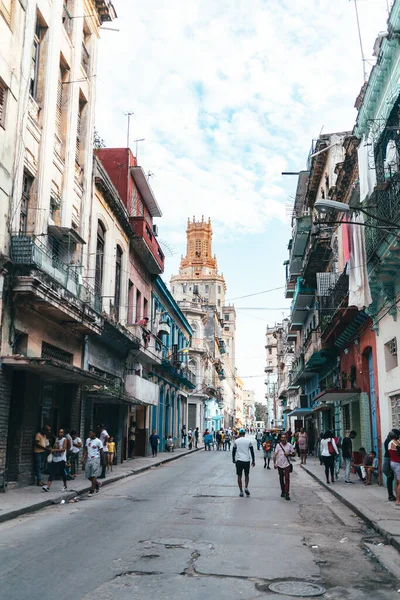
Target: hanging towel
346	240
359	290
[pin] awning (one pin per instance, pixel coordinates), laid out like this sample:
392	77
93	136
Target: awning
337	395
322	407
147	193
51	369
300	412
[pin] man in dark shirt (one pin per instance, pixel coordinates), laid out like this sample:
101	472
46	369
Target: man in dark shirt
347	453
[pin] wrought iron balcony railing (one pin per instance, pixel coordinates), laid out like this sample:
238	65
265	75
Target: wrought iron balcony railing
384	204
29	251
335	299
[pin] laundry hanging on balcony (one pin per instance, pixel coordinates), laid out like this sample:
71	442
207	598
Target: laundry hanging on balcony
366	163
359	290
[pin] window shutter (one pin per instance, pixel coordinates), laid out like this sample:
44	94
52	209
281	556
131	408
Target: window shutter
59	104
3	90
78	138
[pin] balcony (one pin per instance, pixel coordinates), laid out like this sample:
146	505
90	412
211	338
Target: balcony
334	300
150	346
141	391
146	246
384	204
106	10
318	255
290	289
315	356
301	232
269	369
303	300
182	373
56	288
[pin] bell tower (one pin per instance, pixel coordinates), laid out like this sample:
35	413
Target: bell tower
199	247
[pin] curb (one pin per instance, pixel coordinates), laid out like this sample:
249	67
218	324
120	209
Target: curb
391	539
73	494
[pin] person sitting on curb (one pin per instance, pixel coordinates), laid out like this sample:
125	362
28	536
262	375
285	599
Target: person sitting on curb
169	445
371	466
359	465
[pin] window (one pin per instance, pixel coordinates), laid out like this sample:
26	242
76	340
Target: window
5	10
198	248
79	131
269	350
59	106
395	405
219	302
226	328
3	98
26	193
145	307
50	352
226	317
184	288
99	258
138	306
219	289
346	417
391	354
131	292
67	17
85	56
118	271
35	59
207	289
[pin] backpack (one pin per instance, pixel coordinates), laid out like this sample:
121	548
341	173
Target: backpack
331	448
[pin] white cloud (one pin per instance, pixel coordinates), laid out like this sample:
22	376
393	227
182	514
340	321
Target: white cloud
228	94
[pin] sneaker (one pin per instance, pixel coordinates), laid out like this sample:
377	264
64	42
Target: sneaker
64	489
349	481
287	497
241	494
90	494
246	491
392	498
46	488
283	495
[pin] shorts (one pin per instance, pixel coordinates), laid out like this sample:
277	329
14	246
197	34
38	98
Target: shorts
92	468
395	466
242	466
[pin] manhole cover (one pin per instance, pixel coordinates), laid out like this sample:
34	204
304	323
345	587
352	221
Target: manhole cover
301	589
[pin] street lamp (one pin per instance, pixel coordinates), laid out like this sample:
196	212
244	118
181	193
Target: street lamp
327	205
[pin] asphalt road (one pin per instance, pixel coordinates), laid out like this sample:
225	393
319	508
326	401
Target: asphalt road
181	531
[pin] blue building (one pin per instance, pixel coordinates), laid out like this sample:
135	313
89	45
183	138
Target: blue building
173	376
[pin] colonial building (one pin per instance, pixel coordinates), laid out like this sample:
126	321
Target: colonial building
47	113
199	284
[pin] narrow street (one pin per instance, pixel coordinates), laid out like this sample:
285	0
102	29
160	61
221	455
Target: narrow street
181	531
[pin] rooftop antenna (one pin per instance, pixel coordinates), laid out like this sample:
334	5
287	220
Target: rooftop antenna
136	150
128	114
360	39
150	174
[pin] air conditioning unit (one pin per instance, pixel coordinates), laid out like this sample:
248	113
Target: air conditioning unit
155	230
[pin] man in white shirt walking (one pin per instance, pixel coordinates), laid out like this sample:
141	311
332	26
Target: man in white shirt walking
242	455
94	459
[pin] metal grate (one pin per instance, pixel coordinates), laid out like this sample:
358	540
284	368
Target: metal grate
54	353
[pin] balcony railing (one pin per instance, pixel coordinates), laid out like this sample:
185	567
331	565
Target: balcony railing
334	300
383	204
146	244
31	252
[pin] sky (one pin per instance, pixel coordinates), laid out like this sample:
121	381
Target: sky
227	94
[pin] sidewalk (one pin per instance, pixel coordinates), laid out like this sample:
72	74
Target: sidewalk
20	501
370	503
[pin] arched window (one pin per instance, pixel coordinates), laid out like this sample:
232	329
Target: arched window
195	330
118	271
101	231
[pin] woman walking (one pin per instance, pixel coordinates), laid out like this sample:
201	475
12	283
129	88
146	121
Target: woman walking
57	466
328	454
267	441
154	441
303	445
387	470
394	453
